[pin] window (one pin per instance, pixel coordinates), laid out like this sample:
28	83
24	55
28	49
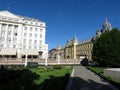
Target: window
41	24
30	41
26	22
31	22
25	34
24	47
40	35
9	27
36	29
36	23
29	47
35	42
2	38
41	30
35	35
3	27
25	28
9	32
1	45
14	46
15	40
24	41
35	47
40	48
16	28
8	40
40	42
30	35
8	45
3	32
31	28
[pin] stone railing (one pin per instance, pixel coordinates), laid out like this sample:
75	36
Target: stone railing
15	61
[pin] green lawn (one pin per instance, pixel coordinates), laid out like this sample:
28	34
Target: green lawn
100	72
34	79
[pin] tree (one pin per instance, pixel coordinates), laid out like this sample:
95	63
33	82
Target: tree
106	49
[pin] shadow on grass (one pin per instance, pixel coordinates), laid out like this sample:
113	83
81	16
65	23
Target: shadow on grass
18	80
24	80
55	83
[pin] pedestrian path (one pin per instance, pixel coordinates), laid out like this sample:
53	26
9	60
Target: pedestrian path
83	79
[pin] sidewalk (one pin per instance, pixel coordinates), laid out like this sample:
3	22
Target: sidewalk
83	79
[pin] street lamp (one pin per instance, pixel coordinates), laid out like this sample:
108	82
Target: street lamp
46	60
26	60
18	48
58	59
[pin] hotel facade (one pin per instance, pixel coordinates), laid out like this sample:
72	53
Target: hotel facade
21	36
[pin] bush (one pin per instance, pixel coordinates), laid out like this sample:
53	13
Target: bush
32	64
57	67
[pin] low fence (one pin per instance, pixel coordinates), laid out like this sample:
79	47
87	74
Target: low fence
40	62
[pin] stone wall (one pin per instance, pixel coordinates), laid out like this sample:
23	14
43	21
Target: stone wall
113	72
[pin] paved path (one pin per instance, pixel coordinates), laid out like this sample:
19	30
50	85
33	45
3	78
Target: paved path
83	79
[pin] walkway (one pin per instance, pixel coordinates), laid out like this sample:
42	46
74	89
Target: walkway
84	79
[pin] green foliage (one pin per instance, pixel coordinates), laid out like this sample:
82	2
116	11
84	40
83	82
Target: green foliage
34	79
32	64
57	67
106	49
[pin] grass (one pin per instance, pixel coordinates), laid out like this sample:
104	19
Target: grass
34	79
49	73
100	72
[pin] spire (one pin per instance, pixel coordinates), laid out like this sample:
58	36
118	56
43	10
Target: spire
106	25
75	41
75	38
106	20
58	47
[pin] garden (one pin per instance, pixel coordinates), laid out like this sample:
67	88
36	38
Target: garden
53	78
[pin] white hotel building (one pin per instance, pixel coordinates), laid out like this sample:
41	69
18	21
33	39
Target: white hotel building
20	36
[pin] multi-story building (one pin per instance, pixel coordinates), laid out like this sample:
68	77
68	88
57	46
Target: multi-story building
20	36
79	50
84	49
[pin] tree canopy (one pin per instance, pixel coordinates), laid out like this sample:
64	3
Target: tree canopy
106	49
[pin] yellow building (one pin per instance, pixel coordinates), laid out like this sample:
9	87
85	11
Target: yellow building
79	50
70	49
84	49
74	50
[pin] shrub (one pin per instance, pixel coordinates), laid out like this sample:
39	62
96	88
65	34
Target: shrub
32	64
57	66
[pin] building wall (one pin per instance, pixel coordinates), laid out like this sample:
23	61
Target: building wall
22	33
76	50
85	49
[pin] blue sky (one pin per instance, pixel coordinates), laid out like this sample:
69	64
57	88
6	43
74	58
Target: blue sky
67	18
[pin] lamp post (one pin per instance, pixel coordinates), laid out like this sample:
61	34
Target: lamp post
58	59
46	60
18	48
26	60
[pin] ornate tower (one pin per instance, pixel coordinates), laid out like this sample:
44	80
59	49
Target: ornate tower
106	26
75	42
